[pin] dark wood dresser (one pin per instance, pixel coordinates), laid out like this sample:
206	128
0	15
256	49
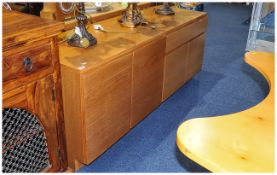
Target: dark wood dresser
31	77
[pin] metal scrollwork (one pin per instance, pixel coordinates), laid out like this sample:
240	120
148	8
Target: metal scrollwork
67	10
132	16
165	10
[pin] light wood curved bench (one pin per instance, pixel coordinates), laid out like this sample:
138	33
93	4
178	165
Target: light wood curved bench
238	142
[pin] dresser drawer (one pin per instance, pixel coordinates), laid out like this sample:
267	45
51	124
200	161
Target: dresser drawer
185	34
27	63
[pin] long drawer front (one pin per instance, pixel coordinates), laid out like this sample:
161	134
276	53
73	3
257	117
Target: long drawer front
185	34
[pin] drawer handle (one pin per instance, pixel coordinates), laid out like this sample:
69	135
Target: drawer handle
28	65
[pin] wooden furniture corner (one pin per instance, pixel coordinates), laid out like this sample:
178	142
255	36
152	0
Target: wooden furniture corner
37	87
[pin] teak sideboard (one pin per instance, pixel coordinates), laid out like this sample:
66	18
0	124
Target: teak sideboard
112	86
35	86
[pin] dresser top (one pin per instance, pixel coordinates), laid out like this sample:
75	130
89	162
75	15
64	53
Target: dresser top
19	28
119	40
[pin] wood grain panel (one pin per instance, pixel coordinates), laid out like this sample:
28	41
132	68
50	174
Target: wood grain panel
118	40
175	70
239	142
37	90
40	56
107	105
40	93
74	123
147	79
195	59
182	64
38	98
59	104
16	98
14	74
20	29
44	102
113	85
185	34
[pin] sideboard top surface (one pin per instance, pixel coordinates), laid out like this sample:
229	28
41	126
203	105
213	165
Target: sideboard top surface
118	40
19	28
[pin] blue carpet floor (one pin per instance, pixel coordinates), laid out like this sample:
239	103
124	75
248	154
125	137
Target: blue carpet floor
226	84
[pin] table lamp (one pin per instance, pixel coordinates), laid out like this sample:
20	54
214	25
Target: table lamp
79	37
132	16
165	10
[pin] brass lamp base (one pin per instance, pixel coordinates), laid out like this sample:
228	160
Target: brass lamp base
165	10
81	37
132	16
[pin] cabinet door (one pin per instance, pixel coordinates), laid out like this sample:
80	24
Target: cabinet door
42	100
182	64
39	98
195	59
185	34
175	70
106	106
147	81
